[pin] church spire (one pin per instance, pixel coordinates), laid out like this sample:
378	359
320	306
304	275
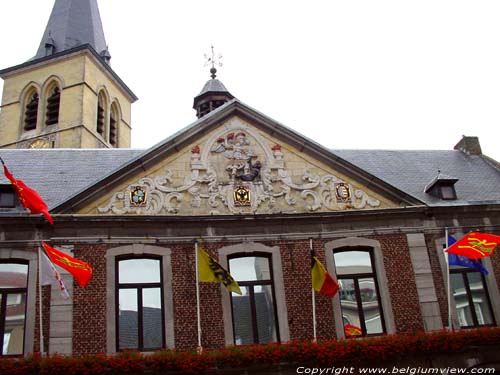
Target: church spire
73	23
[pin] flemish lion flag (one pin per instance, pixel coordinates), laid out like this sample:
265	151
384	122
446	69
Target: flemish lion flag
475	245
80	270
211	272
29	197
322	281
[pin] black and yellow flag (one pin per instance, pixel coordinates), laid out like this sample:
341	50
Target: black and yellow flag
210	271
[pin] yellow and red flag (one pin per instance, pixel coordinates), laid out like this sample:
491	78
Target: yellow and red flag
29	197
80	270
322	281
475	245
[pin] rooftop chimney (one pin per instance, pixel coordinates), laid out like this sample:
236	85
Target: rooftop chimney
469	145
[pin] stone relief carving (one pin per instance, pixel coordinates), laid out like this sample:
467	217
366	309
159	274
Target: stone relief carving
236	171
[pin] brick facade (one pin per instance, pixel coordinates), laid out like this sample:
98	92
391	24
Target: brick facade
401	283
89	310
89	303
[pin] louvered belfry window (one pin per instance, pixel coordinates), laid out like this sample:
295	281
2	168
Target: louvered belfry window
112	128
100	115
53	103
31	112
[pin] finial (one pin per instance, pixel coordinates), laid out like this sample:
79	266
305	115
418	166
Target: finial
212	60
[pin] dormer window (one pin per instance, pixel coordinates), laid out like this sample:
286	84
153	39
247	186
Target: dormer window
7	197
442	187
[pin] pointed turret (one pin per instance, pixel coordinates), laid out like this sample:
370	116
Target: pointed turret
213	95
73	23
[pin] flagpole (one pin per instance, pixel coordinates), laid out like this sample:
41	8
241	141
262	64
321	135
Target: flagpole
448	278
313	297
42	349
198	313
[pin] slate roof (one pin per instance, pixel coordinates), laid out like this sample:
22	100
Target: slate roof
410	171
213	85
73	23
57	174
62	174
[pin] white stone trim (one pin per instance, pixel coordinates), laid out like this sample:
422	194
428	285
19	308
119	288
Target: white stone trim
168	313
426	290
30	318
279	287
382	281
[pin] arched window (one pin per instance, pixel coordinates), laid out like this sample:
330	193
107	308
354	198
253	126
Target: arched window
360	301
101	114
13	300
31	111
53	104
113	125
139	303
254	313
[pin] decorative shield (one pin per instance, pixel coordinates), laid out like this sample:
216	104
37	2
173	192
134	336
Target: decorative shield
241	196
342	192
138	196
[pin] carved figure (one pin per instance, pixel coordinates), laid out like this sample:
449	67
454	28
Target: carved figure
253	173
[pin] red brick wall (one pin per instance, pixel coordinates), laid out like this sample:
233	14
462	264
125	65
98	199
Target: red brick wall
495	262
401	283
296	263
89	311
184	300
89	303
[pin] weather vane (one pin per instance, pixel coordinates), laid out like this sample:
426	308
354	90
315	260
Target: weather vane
214	61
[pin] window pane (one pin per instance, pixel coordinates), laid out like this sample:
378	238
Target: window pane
264	308
250	268
349	306
14	324
13	275
479	298
242	317
128	319
352	262
152	318
7	199
135	271
371	308
461	300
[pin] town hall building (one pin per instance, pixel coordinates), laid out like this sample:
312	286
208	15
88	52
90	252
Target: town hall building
253	193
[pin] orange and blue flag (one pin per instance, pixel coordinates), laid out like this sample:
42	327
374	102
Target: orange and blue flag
460	260
475	245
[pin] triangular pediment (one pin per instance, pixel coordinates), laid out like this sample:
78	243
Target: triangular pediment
236	161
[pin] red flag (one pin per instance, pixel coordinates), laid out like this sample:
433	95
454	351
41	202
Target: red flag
29	198
80	270
352	331
322	281
475	245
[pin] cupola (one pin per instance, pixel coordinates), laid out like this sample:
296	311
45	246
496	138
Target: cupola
213	94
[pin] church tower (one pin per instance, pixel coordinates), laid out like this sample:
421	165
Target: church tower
67	95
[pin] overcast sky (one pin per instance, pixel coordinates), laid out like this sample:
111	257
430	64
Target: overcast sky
347	74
